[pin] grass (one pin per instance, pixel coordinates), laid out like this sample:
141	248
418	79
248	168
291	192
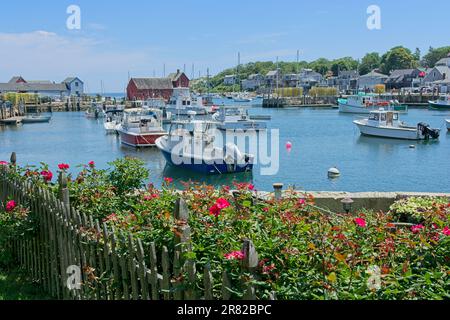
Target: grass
14	285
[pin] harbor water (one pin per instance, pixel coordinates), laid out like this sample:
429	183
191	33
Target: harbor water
320	139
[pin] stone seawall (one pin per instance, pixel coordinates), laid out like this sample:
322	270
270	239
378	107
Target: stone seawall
379	201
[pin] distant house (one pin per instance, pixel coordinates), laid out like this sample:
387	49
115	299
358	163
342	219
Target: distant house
308	78
230	80
403	78
291	80
179	79
347	80
148	88
272	77
75	86
253	82
41	87
438	73
370	80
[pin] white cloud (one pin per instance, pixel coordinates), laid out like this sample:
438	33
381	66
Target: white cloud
47	55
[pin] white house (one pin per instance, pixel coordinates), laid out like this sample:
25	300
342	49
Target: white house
75	86
253	82
370	80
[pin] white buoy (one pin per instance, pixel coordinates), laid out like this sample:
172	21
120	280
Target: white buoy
334	173
412	146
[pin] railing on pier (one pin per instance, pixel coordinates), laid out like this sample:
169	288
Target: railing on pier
113	265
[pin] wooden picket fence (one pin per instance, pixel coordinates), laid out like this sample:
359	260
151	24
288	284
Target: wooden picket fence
113	265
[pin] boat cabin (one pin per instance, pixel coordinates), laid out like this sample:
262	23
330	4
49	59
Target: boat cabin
144	119
232	114
385	118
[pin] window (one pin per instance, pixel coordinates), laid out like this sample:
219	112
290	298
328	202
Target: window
76	84
395	116
383	117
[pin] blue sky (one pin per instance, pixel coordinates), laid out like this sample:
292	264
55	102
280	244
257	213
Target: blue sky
139	37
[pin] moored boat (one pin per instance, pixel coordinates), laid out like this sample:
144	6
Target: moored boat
95	111
11	121
36	118
236	118
443	103
364	103
386	124
141	127
190	145
113	120
181	103
448	124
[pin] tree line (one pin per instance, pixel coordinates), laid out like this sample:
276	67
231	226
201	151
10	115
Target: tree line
396	58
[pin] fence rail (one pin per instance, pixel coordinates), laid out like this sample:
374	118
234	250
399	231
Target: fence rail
113	265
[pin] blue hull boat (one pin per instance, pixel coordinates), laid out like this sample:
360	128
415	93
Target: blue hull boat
208	168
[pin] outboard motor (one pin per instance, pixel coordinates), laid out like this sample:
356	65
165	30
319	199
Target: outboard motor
427	131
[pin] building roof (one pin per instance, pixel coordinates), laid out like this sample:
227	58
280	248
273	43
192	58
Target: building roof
32	87
153	83
272	73
374	74
398	76
15	79
443	62
70	79
176	75
348	73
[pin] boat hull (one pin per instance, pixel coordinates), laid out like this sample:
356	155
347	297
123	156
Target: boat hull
346	108
185	111
140	140
384	132
439	106
448	124
36	120
211	167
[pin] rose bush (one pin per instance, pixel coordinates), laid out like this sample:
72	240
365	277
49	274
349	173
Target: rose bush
304	253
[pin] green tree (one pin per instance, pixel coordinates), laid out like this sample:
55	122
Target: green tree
369	62
321	66
397	58
434	55
343	64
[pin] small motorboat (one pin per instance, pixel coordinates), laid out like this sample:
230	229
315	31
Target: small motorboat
386	124
36	118
242	99
443	103
364	103
113	120
236	118
448	124
141	127
95	111
190	145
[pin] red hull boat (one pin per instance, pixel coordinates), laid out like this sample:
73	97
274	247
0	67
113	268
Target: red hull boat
141	127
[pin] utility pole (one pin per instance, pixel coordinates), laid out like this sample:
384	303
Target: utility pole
164	70
278	71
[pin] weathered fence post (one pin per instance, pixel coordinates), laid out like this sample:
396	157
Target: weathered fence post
183	234
13	158
251	258
63	190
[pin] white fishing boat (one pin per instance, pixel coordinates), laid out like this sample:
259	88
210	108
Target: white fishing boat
236	118
386	124
181	103
242	99
364	103
191	145
113	120
141	127
443	103
448	124
95	111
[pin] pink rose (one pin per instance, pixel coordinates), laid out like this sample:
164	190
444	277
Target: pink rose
361	222
10	206
417	228
446	231
236	255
